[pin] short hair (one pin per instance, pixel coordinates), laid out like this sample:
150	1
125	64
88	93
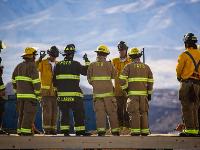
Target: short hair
188	45
102	54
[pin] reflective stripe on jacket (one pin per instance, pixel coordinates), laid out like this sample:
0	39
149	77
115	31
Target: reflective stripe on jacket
137	78
185	67
99	76
25	79
66	79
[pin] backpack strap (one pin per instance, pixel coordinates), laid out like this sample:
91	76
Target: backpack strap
196	65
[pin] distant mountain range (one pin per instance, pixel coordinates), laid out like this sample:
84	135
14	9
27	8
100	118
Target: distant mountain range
165	111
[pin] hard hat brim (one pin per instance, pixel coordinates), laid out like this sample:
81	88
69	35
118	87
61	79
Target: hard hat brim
25	54
101	52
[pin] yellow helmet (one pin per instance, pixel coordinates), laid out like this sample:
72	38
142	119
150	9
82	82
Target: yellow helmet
29	52
134	51
103	49
2	45
198	47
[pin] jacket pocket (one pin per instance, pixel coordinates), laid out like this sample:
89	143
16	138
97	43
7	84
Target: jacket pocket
187	92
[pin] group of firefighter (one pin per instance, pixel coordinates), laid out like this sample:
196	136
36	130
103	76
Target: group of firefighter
123	106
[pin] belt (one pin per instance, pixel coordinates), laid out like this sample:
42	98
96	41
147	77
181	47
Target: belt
195	81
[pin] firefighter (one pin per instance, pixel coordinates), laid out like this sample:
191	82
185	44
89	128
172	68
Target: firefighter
2	92
137	80
198	47
188	73
100	75
119	63
66	80
2	101
49	99
199	120
26	83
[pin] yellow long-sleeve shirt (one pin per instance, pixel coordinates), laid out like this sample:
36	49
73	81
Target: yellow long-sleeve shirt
119	66
46	76
185	67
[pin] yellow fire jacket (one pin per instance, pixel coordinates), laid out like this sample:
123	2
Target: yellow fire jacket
25	79
137	78
100	74
46	76
119	66
185	67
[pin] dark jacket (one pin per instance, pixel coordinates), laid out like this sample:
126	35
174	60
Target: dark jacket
66	78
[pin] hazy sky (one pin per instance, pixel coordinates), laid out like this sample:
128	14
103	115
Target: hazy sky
157	25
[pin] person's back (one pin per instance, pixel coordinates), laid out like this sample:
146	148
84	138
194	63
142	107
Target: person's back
101	74
67	77
66	80
136	80
26	71
188	74
186	67
139	74
26	83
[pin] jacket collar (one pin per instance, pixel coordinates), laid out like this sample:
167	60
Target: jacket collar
101	58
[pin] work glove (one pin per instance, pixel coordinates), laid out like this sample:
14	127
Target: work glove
85	58
149	97
109	61
42	54
87	61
